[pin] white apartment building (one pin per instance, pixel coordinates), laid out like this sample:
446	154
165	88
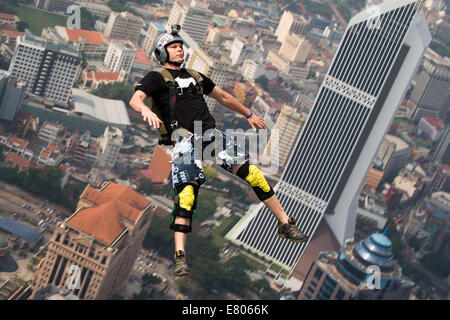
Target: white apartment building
154	31
193	20
110	144
50	69
287	128
208	62
290	23
120	56
123	25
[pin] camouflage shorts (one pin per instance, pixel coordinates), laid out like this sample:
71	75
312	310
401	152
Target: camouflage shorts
191	150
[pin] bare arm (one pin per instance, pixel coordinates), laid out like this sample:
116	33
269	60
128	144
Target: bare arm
231	103
137	104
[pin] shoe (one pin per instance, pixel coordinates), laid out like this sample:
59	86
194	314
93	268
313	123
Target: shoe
181	268
291	232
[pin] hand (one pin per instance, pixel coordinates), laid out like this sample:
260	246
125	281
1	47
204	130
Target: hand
151	117
255	121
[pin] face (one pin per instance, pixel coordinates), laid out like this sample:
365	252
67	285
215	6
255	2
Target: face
176	52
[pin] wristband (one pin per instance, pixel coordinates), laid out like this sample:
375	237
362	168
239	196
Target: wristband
251	113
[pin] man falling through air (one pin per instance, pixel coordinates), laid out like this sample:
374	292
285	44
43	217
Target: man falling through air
178	94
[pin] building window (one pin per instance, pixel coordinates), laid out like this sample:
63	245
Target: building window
318	274
340	294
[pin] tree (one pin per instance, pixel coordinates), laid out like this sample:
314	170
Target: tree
114	90
87	19
263	81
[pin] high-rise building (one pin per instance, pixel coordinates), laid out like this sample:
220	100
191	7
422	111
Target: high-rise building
393	155
110	144
120	56
291	57
442	152
100	10
12	92
430	96
92	253
123	25
363	270
353	110
153	32
441	179
288	126
193	20
209	62
290	23
50	69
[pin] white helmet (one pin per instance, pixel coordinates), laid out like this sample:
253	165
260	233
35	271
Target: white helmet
163	41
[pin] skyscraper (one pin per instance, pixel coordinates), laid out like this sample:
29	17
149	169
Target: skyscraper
120	56
12	93
193	20
430	95
123	25
354	108
92	252
361	270
50	69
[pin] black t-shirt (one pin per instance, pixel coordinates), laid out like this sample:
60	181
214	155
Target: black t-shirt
189	107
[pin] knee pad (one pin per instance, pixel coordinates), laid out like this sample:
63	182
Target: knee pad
185	205
253	175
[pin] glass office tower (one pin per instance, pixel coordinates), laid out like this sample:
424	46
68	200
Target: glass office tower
353	110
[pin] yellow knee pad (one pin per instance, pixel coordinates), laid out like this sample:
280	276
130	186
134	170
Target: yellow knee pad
253	175
256	179
185	204
187	197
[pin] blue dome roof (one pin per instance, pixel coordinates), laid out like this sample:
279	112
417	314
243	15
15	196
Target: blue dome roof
381	239
375	250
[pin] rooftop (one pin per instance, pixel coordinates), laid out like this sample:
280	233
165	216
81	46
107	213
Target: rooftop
92	37
108	110
435	122
19	229
111	206
399	143
64	48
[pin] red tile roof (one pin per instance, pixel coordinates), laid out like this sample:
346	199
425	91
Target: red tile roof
10	32
435	122
92	37
106	76
112	204
141	58
149	174
46	152
22	143
7	16
17	159
160	163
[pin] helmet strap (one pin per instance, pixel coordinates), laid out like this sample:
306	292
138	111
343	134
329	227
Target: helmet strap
174	63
